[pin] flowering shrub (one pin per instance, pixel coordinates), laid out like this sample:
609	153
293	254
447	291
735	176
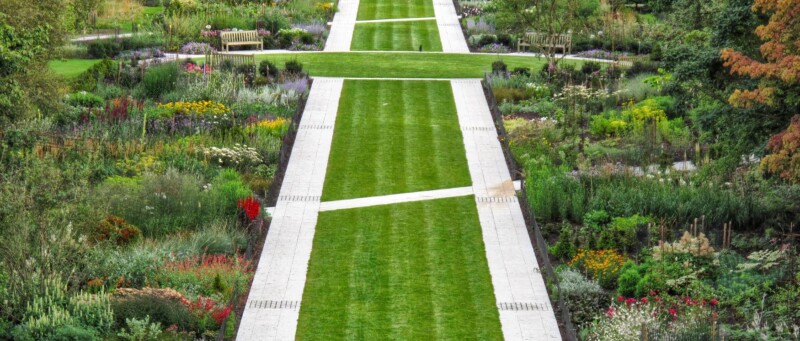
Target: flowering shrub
696	246
250	207
192	67
196	108
238	156
197	48
601	265
209	313
205	275
624	319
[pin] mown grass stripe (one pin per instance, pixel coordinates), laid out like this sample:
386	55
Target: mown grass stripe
396	36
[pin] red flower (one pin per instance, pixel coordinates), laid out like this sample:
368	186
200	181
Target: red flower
714	302
673	312
644	299
620	298
630	301
250	206
652	293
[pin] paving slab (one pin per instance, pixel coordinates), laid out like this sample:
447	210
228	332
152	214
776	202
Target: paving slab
273	305
395	198
449	27
520	291
344	22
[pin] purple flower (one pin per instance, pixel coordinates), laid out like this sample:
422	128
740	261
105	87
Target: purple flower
196	48
299	85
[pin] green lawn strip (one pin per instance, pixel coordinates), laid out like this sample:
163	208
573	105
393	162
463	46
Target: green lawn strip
403	64
395	137
412	271
71	68
370	64
397	36
382	9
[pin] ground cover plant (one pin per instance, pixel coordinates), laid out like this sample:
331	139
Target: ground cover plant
386	131
377	9
413	270
397	36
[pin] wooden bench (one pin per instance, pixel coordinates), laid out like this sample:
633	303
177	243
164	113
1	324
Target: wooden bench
216	60
541	41
239	38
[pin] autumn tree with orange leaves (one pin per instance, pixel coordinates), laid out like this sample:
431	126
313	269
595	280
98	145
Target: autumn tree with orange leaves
778	76
780	51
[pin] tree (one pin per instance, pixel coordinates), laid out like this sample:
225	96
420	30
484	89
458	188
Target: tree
780	68
550	17
785	157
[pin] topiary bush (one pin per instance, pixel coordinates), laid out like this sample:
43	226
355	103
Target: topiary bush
499	66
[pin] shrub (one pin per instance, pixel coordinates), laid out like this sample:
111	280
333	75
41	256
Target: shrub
128	267
164	306
102	71
85	100
504	39
521	71
140	330
511	95
160	80
565	246
197	48
293	67
104	48
267	69
499	66
117	230
486	39
584	298
590	67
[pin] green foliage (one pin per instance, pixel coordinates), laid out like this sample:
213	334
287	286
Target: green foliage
565	246
293	67
159	310
159	80
140	330
55	312
97	73
553	194
498	66
267	69
104	48
161	204
85	100
583	297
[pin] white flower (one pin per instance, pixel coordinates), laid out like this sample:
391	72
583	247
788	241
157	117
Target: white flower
208	27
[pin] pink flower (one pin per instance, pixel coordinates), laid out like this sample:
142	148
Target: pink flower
620	298
644	299
610	312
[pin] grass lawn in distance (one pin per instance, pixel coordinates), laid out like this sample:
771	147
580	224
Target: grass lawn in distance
71	68
395	137
383	9
370	64
396	36
411	271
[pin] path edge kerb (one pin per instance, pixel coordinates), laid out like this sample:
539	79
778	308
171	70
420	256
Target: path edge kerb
565	326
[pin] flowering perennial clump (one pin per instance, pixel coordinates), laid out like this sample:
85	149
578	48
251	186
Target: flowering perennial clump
697	246
250	206
236	156
601	265
196	108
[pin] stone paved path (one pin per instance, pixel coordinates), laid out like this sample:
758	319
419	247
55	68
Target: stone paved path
273	305
449	27
344	23
512	261
521	296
